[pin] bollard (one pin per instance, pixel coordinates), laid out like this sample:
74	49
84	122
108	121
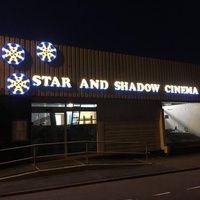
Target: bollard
34	157
86	150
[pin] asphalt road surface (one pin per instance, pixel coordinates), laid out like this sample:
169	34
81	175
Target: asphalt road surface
174	186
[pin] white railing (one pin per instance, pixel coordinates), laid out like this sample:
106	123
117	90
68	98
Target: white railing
60	149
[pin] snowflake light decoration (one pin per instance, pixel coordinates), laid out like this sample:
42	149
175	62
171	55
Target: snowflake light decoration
13	53
46	51
18	83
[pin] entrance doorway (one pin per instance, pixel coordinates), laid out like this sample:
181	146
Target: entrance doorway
181	123
64	122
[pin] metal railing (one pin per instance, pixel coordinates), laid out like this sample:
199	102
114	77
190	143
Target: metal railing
85	150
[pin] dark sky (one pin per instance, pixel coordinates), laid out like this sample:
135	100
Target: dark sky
168	29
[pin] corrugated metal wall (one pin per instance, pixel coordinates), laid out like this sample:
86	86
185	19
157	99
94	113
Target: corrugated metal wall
130	121
77	63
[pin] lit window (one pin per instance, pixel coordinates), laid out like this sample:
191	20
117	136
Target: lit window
41	119
70	105
59	118
87	117
81	117
48	105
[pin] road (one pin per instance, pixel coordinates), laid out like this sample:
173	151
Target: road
182	185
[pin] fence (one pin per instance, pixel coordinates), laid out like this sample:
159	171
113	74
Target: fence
48	151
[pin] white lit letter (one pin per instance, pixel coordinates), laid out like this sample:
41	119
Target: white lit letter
124	85
94	84
55	82
104	84
147	87
132	87
167	89
155	87
184	90
195	91
36	80
177	89
84	84
46	80
66	82
117	85
140	87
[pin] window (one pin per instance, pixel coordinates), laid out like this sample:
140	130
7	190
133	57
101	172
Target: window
41	119
59	117
48	105
70	105
87	117
47	114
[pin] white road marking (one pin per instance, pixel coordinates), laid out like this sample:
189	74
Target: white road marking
160	194
193	188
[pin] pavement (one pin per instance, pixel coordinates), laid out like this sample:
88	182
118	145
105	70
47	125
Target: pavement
65	173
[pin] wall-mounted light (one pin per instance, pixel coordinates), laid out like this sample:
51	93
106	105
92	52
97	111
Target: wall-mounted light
13	53
18	83
46	51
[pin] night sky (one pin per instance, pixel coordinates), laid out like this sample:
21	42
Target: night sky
167	29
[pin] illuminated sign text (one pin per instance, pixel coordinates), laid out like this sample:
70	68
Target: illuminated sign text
180	89
49	81
139	87
19	83
94	84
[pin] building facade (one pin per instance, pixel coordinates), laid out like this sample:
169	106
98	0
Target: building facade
54	93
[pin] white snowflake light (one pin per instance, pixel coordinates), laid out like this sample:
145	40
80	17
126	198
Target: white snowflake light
13	53
18	83
46	51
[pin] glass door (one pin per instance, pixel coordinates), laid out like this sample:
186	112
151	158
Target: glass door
48	127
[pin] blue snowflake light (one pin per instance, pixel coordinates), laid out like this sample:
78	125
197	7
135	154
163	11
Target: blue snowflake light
18	83
46	51
13	53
